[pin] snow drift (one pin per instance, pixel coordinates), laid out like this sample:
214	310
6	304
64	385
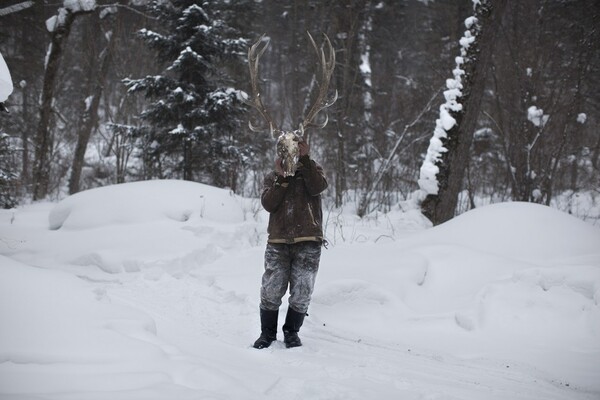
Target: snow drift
140	202
150	290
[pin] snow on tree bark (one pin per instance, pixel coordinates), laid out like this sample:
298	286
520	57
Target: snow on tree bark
442	172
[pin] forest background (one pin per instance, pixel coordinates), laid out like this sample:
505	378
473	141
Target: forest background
152	90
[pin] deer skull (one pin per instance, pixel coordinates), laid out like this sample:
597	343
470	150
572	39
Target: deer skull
288	152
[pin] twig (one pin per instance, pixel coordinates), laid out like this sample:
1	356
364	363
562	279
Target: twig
384	167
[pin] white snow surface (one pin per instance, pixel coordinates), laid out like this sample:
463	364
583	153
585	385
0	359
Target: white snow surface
150	290
6	85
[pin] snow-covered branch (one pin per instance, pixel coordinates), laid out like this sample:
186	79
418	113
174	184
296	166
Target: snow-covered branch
16	8
69	7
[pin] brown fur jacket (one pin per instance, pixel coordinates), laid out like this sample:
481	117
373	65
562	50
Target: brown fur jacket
294	204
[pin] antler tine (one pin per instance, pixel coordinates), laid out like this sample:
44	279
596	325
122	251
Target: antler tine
254	54
327	65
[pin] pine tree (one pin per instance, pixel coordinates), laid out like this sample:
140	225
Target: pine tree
193	115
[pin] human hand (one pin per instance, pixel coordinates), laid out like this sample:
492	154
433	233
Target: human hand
303	148
278	167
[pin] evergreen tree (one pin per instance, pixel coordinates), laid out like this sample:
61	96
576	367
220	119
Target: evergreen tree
194	115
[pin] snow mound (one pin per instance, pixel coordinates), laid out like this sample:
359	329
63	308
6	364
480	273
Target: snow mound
146	201
525	231
513	281
52	317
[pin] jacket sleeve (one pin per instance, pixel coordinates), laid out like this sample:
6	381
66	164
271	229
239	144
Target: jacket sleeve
274	188
314	178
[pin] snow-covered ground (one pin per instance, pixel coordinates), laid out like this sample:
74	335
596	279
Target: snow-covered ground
150	290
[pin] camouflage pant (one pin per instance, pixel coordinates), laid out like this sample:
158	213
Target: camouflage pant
296	264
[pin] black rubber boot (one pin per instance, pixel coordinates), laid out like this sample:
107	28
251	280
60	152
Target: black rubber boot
293	322
268	329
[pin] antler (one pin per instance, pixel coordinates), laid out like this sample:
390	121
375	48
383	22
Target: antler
254	54
327	65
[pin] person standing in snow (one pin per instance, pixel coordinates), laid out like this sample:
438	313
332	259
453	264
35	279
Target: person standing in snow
294	243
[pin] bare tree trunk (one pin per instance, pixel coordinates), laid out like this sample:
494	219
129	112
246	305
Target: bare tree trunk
41	168
596	155
346	22
187	157
340	169
441	207
25	178
90	118
366	85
